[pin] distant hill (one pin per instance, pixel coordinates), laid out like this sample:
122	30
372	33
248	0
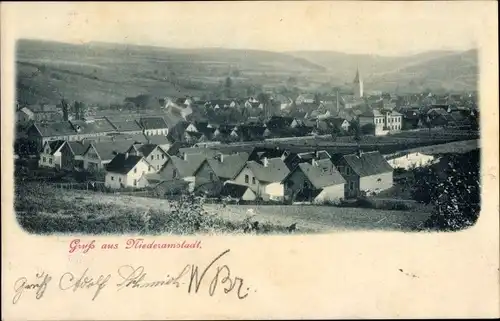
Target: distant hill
105	73
454	72
441	70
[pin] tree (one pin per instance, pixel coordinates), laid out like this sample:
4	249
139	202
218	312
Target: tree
452	186
368	129
355	131
335	132
228	83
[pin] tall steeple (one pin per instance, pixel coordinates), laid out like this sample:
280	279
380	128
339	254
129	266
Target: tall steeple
358	85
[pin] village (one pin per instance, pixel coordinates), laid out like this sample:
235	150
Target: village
312	148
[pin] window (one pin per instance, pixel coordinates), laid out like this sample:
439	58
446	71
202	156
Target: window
351	186
157	156
211	176
150	168
246	179
157	167
253	180
135	182
379	180
120	179
162	156
50	160
348	170
152	157
112	178
135	170
44	159
174	173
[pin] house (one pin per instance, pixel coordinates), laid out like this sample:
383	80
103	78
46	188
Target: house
154	154
283	101
205	128
439	117
153	126
99	154
237	192
280	122
384	121
50	156
41	113
252	103
72	154
259	153
251	132
24	116
214	171
293	159
225	132
92	128
126	170
39	132
164	142
264	178
179	169
126	126
350	102
366	172
317	182
182	132
411	119
305	99
341	123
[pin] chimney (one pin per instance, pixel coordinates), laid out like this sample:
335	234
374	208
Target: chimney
359	152
265	162
220	157
126	154
314	162
184	156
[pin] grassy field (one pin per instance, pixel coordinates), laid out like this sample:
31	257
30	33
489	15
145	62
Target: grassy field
51	202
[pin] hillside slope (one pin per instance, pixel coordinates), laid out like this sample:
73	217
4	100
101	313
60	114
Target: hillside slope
451	72
107	73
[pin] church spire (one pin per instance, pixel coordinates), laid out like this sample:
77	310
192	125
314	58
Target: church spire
356	78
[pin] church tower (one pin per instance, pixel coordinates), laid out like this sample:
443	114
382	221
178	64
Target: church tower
358	85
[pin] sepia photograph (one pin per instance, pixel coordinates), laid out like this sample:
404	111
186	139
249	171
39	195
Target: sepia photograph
121	133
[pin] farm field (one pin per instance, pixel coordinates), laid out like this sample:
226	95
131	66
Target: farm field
308	218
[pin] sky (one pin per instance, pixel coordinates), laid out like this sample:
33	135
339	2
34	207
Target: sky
381	28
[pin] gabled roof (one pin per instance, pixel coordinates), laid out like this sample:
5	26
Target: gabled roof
78	148
317	155
279	122
369	163
153	122
186	167
234	190
108	150
55	146
123	163
62	128
146	149
230	165
275	171
322	173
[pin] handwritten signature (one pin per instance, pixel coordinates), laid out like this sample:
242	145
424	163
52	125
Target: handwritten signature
193	278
